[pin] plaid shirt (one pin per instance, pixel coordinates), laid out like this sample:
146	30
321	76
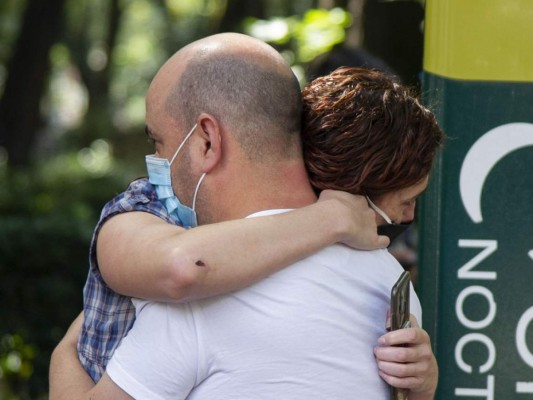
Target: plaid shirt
109	315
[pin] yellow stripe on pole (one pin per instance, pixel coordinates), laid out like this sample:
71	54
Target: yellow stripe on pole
489	40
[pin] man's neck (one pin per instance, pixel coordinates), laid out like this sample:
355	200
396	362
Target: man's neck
288	188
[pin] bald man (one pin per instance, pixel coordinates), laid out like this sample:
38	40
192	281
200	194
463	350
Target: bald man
141	248
235	104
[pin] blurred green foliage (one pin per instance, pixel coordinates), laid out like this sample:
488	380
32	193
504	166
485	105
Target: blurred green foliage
16	366
48	210
308	36
90	144
48	215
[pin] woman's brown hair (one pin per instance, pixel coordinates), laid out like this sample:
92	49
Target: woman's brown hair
366	134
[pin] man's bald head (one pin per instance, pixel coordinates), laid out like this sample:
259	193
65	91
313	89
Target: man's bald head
241	81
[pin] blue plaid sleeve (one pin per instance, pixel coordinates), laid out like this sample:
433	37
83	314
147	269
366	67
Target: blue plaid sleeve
108	316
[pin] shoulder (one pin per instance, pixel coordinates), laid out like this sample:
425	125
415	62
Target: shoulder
139	192
139	196
341	254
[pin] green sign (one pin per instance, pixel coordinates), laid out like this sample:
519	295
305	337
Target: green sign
477	241
476	263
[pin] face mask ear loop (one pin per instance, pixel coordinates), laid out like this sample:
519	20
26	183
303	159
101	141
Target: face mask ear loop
196	191
183	143
379	211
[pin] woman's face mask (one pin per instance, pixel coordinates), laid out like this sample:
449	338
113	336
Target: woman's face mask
391	229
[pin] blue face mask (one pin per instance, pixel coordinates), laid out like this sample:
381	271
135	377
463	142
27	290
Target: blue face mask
159	175
392	230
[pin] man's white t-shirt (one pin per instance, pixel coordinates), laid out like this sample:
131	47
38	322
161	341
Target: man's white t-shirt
306	332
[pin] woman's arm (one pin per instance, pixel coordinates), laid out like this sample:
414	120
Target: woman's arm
67	375
140	255
68	379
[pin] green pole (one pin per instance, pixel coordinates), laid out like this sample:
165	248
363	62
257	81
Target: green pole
476	260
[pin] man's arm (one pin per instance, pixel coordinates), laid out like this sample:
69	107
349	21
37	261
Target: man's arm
405	360
140	255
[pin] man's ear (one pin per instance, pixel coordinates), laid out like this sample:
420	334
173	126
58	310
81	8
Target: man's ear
211	134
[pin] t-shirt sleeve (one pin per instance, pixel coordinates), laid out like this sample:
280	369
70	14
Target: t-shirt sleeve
158	359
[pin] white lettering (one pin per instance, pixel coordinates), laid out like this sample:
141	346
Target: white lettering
520	337
475	337
524	387
465	272
488	393
459	307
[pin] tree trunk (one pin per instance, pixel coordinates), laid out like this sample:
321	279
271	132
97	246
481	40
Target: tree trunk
236	11
20	116
354	34
98	120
